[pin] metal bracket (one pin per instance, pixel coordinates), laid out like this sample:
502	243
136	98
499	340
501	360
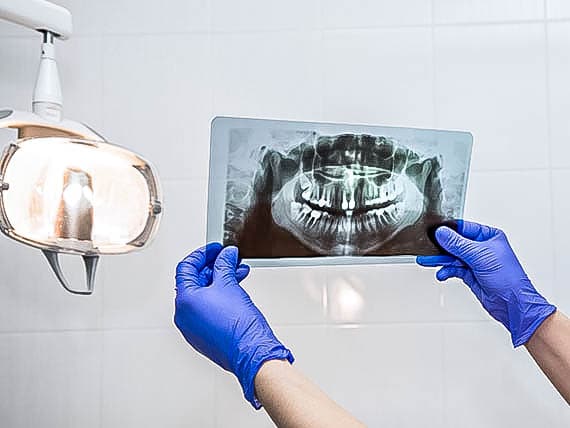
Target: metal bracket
90	270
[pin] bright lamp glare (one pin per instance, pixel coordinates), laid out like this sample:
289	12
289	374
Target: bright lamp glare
83	196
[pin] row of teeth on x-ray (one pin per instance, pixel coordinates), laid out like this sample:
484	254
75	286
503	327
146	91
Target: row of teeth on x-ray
370	220
367	195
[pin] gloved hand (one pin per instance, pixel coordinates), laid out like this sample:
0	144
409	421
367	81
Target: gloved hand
482	257
217	317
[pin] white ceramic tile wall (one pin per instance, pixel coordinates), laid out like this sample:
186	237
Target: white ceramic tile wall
375	13
491	79
388	342
51	379
559	92
560	208
469	11
366	80
558	9
263	74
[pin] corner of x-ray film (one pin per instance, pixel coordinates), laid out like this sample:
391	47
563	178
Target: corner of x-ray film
307	193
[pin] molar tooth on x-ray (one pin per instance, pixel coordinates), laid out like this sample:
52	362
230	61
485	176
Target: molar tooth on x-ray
294	192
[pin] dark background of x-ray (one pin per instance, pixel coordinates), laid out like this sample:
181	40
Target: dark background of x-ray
258	236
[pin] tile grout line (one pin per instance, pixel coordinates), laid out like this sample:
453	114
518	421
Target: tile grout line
101	323
443	386
321	60
553	290
434	71
360	324
459	24
216	383
441	290
104	125
101	376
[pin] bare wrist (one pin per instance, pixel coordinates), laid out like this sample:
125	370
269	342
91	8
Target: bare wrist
543	329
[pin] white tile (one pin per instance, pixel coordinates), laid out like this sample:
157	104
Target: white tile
381	77
453	11
386	293
270	75
80	66
135	17
31	298
20	60
157	100
490	80
561	208
87	16
374	13
154	378
288	296
10	29
263	15
501	199
386	375
139	287
51	380
557	9
559	69
489	384
308	345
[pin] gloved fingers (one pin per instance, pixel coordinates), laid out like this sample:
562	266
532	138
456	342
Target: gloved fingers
454	243
472	283
206	275
475	231
447	272
226	264
242	272
189	270
433	261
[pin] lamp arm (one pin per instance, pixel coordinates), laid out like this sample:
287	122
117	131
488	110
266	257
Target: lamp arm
38	15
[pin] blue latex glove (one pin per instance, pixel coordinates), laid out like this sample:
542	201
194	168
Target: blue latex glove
482	257
217	317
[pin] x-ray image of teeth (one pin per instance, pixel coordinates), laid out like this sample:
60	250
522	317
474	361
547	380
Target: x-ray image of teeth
304	190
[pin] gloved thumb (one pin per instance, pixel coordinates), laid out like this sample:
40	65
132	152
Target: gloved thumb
453	242
226	264
241	272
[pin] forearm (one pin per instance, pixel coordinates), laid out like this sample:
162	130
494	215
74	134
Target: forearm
292	401
550	348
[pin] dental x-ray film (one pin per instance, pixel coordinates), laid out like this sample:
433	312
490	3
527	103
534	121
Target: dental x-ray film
301	193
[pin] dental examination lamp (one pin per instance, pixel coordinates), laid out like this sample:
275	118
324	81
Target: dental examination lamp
63	187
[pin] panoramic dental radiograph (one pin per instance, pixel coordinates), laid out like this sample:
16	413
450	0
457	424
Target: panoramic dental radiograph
316	192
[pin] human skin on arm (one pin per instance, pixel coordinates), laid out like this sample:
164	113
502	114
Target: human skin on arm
292	401
218	319
482	257
550	348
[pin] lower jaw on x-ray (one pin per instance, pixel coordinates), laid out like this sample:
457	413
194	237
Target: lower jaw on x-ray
304	190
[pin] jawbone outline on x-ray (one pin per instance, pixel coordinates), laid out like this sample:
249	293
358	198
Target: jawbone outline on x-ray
347	194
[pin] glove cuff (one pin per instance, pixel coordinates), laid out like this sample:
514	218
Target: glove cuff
250	365
530	316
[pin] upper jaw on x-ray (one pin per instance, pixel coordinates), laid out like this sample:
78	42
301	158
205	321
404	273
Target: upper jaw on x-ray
349	194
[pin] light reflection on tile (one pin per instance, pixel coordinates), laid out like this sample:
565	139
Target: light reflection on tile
382	294
348	300
288	296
